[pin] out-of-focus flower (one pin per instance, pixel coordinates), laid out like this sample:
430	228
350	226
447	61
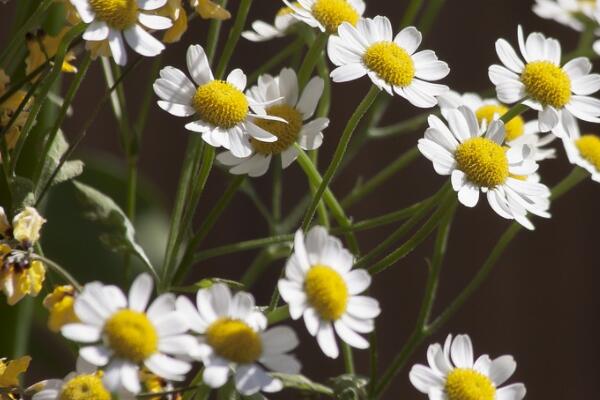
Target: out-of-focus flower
235	341
20	274
321	286
282	93
8	108
547	87
10	371
85	384
42	46
71	14
390	62
221	109
124	334
60	305
155	384
454	374
327	15
111	20
566	12
263	31
176	12
582	150
208	9
478	159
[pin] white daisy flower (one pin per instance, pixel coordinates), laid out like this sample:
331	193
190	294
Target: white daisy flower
566	12
453	374
321	286
121	336
327	15
517	131
235	341
582	150
547	87
85	383
479	159
112	19
222	109
391	62
282	93
263	31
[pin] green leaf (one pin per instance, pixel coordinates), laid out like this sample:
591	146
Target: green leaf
22	191
349	387
120	236
300	382
69	170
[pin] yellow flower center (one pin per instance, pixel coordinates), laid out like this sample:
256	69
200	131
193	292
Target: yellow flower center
483	161
391	62
118	14
332	13
85	387
234	340
286	133
589	148
326	291
131	335
514	128
547	83
468	384
221	104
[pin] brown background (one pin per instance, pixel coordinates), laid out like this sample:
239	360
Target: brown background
541	302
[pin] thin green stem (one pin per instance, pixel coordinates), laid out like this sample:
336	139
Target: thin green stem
59	270
407	126
431	13
338	156
411	13
311	59
420	236
276	60
14	87
381	177
234	37
277	189
278	315
348	358
514	111
212	37
67	101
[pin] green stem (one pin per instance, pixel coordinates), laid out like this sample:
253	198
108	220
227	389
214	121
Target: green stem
212	37
276	60
278	315
261	262
407	126
234	37
576	176
207	225
242	246
422	234
59	270
411	13
338	156
513	112
14	87
67	101
277	189
348	358
382	176
311	59
431	13
23	327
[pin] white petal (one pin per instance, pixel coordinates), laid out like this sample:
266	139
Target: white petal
349	336
348	72
409	39
96	31
140	292
508	56
81	333
310	97
326	340
167	367
117	47
279	340
154	21
357	281
129	378
424	379
151	4
198	65
142	42
249	379
238	79
501	369
516	391
462	351
95	355
284	363
215	374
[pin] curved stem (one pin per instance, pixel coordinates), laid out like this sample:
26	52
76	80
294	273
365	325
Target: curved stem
59	270
338	156
234	37
311	59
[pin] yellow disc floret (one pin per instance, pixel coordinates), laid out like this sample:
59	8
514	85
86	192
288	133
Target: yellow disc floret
326	291
468	384
332	13
234	340
221	104
514	128
286	133
547	83
85	387
391	63
118	14
483	161
589	148
131	335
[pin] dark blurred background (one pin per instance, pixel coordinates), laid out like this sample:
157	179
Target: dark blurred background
540	303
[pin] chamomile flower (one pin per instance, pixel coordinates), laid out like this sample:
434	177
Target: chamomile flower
221	107
321	286
390	62
582	150
235	341
480	160
110	20
84	384
542	84
454	374
282	93
517	131
262	31
327	15
566	12
121	336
